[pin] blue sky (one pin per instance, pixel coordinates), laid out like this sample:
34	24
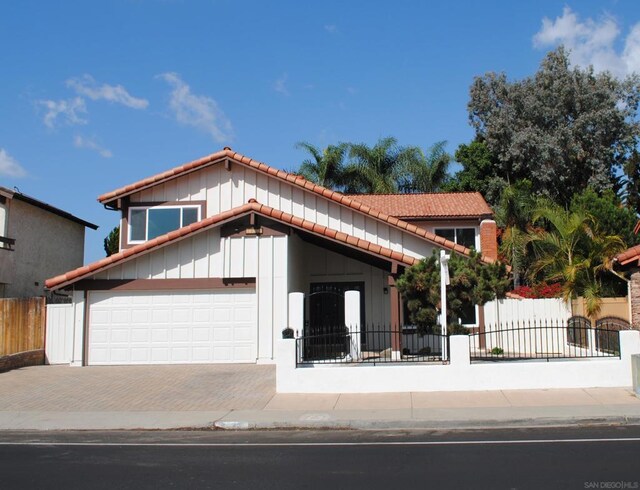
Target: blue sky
96	95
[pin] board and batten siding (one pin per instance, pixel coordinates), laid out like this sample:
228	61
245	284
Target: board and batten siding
204	255
226	189
209	255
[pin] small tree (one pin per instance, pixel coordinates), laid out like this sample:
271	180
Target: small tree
472	282
112	242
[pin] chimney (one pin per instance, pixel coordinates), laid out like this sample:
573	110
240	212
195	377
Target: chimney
489	238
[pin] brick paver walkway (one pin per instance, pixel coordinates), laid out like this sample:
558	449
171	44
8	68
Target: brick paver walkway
145	388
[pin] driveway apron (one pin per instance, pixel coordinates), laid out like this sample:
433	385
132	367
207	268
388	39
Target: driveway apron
131	388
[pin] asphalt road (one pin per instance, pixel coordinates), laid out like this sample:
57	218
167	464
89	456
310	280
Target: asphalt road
604	457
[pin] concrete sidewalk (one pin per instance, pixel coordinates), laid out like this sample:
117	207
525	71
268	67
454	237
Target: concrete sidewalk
441	410
243	397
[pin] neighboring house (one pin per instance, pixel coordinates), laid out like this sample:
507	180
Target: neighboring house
37	241
211	249
628	262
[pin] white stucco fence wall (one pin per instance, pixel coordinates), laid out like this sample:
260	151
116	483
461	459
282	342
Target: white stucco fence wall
459	375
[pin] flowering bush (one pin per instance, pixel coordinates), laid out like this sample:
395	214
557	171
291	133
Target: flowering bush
541	290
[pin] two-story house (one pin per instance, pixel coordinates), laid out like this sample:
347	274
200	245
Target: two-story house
37	241
211	249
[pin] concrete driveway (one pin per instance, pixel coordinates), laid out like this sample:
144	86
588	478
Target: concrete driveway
137	388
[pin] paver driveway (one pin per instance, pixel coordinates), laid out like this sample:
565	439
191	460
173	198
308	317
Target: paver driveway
130	388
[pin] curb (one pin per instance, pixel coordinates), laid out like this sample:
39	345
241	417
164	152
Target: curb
427	424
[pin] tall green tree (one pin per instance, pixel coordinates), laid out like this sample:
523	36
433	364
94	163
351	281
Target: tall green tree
631	191
564	129
325	167
514	214
382	168
478	172
428	172
112	242
571	250
608	211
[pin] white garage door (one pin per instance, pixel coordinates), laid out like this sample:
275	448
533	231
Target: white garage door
172	327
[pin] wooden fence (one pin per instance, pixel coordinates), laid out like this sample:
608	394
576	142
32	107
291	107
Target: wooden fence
22	325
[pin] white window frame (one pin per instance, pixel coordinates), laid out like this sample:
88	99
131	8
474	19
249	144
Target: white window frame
147	208
455	233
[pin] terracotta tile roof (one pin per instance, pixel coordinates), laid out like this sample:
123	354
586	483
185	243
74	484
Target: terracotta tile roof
636	229
436	205
252	206
628	256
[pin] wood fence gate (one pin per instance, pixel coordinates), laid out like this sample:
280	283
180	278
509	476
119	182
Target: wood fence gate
22	325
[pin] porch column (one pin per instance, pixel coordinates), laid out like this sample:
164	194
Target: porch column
352	321
396	338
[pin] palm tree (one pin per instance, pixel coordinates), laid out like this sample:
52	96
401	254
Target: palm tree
326	167
514	214
428	172
379	169
573	252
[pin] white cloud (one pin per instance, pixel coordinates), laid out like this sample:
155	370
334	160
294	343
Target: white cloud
280	85
9	166
69	110
592	42
199	111
90	143
331	28
88	87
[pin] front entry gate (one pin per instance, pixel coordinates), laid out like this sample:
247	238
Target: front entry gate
326	335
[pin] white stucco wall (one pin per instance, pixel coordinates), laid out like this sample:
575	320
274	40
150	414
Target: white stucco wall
459	375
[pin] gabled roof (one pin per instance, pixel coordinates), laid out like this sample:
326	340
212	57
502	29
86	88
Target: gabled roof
11	194
294	179
629	256
252	206
433	205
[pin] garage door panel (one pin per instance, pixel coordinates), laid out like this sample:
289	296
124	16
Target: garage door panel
168	327
201	334
140	335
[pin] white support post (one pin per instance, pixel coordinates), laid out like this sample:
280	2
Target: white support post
296	313
444	282
296	319
352	320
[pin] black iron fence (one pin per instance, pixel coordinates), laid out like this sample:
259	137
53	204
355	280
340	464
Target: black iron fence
370	345
546	340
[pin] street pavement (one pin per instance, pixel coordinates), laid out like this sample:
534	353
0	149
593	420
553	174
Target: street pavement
563	458
243	397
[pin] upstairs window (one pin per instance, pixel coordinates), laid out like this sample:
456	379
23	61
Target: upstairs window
148	223
462	236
